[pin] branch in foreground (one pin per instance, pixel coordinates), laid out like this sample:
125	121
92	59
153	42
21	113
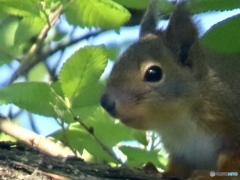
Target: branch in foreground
43	144
31	164
37	156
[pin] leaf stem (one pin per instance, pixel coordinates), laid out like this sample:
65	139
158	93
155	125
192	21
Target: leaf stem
91	132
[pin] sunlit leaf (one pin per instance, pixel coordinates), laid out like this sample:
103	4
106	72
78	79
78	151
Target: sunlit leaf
88	95
8	27
105	14
36	97
20	8
84	67
28	28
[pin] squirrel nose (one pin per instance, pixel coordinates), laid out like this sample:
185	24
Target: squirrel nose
107	103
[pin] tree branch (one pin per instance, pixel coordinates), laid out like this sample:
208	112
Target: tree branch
71	42
45	145
31	57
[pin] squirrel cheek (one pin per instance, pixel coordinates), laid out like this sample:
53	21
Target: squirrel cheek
135	117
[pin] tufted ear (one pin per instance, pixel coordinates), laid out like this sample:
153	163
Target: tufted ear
181	34
149	21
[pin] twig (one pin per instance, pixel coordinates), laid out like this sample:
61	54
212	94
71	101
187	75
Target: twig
69	42
31	56
52	70
66	138
104	147
34	140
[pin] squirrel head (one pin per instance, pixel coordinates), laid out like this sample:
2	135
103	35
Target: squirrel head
156	78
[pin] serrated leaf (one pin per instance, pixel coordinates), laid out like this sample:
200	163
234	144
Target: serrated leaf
84	67
224	37
105	14
28	28
36	97
23	8
198	6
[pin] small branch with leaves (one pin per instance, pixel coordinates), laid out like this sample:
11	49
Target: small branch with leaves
34	54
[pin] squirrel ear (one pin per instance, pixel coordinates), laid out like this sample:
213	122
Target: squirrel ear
149	21
181	34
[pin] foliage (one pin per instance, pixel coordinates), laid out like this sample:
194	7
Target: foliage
229	42
30	33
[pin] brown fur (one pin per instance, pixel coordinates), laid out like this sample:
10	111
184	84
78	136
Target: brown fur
194	107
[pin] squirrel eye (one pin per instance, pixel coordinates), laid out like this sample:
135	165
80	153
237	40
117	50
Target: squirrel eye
153	74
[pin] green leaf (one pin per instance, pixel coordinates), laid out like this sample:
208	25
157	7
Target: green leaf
8	26
105	14
165	6
23	8
28	28
78	138
113	51
86	111
111	131
56	86
84	67
224	37
88	95
37	73
4	58
135	4
6	137
87	101
36	97
137	157
199	6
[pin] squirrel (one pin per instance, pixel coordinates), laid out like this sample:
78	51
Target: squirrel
167	82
